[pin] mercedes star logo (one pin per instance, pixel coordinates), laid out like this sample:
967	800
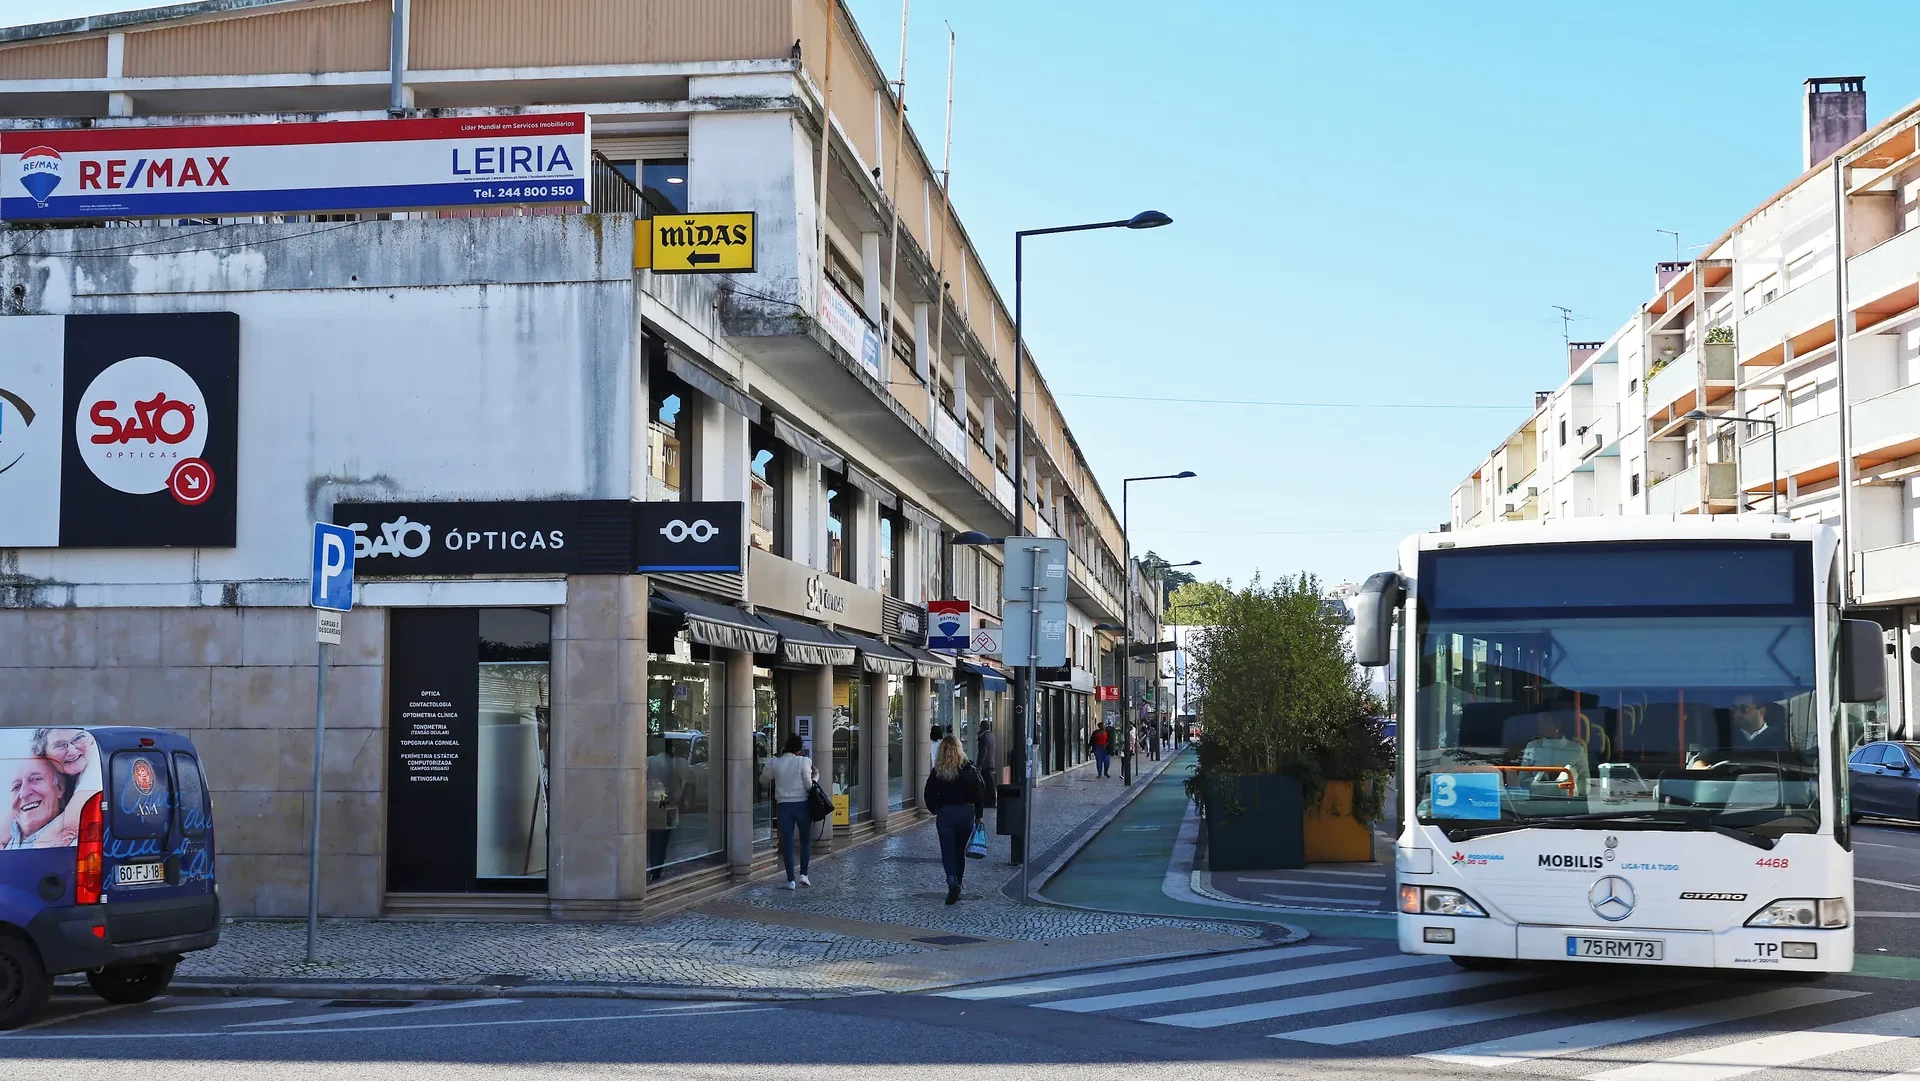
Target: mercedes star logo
1611	898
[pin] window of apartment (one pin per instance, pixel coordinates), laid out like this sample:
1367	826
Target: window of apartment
946	395
1801	267
903	353
842	275
1633	385
662	182
1563	431
840	539
893	539
933	580
669	434
767	508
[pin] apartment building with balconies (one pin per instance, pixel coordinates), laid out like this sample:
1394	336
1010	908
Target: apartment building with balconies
1781	370
853	392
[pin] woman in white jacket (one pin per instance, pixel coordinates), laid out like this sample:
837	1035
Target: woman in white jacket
792	775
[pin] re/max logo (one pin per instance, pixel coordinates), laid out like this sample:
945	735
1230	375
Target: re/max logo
114	174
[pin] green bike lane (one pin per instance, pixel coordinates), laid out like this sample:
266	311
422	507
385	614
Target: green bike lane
1129	866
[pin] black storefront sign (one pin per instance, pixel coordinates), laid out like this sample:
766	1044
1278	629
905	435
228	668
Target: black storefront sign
556	536
433	773
152	404
689	537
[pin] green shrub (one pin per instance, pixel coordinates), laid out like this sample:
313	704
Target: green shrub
1280	694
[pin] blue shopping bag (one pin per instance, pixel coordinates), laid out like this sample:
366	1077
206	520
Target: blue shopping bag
977	844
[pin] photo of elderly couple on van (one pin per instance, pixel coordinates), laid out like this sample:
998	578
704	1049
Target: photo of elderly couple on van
48	775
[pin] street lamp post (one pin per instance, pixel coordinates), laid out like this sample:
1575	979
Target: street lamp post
1126	605
1773	443
1146	219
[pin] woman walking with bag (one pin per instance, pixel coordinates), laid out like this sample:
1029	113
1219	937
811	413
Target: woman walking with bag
792	776
953	795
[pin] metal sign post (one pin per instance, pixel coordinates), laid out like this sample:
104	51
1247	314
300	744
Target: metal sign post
1034	583
331	594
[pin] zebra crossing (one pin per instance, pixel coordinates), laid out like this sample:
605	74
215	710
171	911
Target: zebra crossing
1587	1022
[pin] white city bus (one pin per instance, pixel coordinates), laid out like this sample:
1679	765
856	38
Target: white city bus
1621	740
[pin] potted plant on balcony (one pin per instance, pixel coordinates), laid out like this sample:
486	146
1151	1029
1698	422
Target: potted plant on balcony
1294	763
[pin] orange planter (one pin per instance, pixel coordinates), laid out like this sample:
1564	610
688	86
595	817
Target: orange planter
1333	835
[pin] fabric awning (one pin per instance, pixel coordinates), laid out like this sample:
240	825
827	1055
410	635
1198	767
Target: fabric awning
871	485
805	643
990	680
692	374
880	658
712	623
793	437
931	665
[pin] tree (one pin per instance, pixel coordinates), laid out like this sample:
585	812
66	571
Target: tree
1154	565
1195	603
1281	695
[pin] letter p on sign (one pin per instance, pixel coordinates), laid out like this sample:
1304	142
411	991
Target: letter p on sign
332	567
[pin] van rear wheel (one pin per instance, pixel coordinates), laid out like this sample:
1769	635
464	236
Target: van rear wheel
24	983
125	985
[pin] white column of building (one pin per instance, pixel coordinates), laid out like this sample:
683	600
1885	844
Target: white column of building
822	740
960	390
925	354
870	275
737	744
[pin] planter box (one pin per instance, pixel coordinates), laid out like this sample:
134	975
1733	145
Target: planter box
1332	833
1267	833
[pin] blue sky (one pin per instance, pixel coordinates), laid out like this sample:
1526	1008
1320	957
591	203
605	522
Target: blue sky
1372	203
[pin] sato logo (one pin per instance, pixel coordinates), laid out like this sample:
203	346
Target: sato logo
144	428
165	174
40	172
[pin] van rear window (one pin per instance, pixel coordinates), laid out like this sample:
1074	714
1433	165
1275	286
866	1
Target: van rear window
195	815
140	794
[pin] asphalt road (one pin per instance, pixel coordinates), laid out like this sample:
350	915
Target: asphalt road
1886	885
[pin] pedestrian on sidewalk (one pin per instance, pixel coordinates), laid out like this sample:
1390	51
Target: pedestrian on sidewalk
1102	750
953	795
791	774
989	764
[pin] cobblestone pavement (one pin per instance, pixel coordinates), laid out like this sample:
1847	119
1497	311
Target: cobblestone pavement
852	931
899	879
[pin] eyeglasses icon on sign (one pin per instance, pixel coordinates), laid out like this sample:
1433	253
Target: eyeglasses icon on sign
677	531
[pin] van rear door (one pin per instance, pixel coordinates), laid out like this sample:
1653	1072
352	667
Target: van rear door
160	831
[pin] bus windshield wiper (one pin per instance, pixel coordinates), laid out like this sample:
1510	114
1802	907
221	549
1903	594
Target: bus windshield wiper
1631	820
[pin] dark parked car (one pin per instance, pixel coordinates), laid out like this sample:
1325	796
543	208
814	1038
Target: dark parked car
1886	780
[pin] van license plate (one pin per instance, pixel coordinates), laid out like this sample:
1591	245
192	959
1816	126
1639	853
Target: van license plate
140	874
1617	949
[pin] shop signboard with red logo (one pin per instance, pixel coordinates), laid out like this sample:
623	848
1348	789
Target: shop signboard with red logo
120	431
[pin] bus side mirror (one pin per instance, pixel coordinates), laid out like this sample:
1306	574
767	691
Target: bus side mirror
1373	610
1863	666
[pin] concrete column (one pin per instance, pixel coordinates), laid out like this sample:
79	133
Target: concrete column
597	824
925	354
960	389
870	276
822	736
738	744
874	718
989	420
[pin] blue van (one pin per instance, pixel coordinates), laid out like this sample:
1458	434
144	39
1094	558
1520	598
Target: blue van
106	862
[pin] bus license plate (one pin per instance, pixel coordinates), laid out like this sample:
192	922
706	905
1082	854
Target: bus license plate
1616	949
140	874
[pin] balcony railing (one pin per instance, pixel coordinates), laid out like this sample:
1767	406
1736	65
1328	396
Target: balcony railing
1889	574
1799	314
949	434
1887	428
1881	280
1809	451
1680	493
1670	384
1003	490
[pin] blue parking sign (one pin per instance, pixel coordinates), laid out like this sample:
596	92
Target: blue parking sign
332	587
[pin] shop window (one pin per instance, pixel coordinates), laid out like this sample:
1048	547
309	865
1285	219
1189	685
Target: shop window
662	183
669	435
896	691
511	746
849	779
686	820
840	539
766	744
933	549
767	506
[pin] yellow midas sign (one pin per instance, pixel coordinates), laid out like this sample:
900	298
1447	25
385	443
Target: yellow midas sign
696	243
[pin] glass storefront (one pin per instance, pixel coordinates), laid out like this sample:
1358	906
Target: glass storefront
895	689
686	820
766	743
510	836
848	779
963	715
992	715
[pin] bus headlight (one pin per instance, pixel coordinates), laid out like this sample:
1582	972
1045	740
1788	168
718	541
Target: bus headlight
1824	912
1437	901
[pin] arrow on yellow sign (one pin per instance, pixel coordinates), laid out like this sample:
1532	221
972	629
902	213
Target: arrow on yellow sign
699	243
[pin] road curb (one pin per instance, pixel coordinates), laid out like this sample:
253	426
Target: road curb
385	992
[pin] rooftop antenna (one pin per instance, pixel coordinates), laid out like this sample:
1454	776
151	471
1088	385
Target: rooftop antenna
1566	323
1675	234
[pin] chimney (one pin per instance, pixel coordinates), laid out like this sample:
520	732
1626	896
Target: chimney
1578	352
1540	398
1835	114
1666	271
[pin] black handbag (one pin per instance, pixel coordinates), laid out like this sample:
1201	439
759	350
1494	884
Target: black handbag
818	805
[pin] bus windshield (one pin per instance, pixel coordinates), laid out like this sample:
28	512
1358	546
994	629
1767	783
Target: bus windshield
1663	684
